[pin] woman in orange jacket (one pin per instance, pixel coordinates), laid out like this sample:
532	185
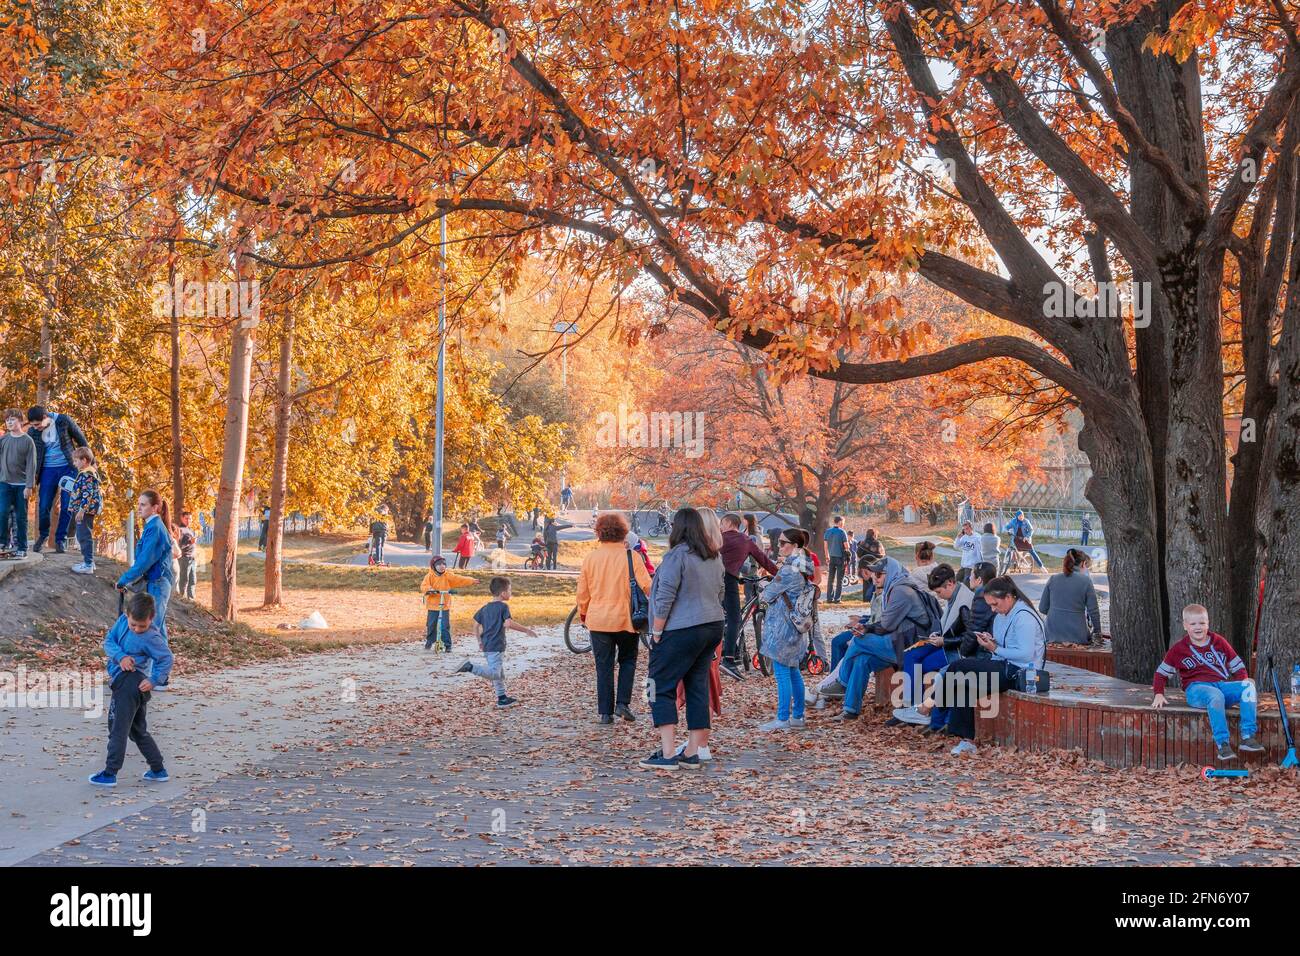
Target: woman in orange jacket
605	605
436	587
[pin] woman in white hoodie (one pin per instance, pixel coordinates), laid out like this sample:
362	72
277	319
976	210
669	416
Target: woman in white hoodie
968	543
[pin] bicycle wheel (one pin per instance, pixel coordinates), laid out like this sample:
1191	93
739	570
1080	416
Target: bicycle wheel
576	635
814	664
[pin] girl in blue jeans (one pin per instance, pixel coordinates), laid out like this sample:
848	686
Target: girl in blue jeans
153	558
783	643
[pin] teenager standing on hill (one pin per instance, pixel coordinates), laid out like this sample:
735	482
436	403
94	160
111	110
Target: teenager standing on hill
18	469
56	437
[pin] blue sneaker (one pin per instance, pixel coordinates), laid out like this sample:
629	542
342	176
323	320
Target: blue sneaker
657	761
104	779
689	763
156	776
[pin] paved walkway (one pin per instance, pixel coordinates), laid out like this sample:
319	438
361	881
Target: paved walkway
208	726
412	554
446	778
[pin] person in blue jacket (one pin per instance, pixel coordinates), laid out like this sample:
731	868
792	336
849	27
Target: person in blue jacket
138	660
153	559
1022	537
1018	641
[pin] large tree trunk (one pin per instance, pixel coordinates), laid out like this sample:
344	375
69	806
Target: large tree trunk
174	396
1152	90
280	468
225	543
1196	540
1278	634
1179	365
1263	267
1122	489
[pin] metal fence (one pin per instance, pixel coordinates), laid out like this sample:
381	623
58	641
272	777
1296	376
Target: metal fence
251	527
1054	523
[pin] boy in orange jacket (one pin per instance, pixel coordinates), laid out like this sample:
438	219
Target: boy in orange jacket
436	586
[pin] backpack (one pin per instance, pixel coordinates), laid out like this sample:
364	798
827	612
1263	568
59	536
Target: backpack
801	608
930	604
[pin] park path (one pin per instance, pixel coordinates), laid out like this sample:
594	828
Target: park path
412	554
210	725
448	779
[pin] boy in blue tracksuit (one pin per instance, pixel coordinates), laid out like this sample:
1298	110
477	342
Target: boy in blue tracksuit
138	659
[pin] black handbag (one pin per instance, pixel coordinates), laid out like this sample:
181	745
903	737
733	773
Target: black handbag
1018	675
639	604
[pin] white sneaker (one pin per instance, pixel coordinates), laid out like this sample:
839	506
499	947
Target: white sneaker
774	725
821	704
797	722
82	568
911	715
810	700
965	747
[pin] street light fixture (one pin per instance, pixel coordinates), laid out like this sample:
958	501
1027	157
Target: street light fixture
435	539
439	417
565	329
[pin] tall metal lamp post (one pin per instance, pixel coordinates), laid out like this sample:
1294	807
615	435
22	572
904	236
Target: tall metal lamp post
565	329
439	423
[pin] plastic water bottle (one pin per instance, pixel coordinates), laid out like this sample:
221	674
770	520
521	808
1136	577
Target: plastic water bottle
1031	680
1295	690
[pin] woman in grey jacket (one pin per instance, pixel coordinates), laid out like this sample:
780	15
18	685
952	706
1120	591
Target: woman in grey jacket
1070	602
686	627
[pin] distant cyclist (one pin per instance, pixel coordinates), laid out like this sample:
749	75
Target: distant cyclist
1022	537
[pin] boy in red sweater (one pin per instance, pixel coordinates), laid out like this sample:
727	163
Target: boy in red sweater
1204	662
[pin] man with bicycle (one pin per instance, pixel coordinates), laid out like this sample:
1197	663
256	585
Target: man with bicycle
737	548
1022	538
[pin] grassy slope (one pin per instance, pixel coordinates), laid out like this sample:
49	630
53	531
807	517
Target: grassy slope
536	599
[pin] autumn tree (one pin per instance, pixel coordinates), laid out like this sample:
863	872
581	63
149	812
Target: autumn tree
755	160
820	444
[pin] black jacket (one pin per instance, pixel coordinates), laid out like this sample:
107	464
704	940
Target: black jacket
551	533
870	550
979	619
70	439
